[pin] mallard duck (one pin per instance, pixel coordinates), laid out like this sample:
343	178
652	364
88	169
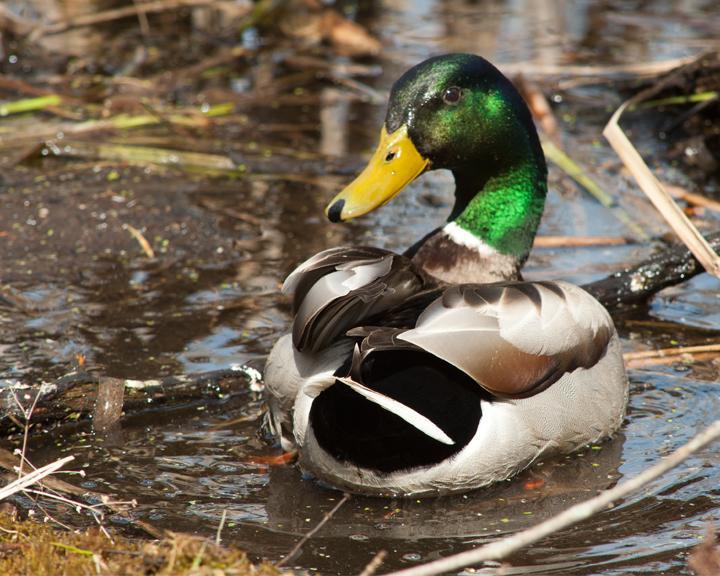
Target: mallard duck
440	370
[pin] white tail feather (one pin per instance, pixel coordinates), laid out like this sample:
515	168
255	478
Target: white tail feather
415	419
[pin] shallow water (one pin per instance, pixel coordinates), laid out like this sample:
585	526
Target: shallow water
211	299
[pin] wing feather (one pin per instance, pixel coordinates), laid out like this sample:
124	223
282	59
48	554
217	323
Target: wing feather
342	288
514	339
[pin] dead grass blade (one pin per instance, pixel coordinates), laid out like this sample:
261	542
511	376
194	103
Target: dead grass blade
144	155
183	118
29	104
682	99
658	195
506	546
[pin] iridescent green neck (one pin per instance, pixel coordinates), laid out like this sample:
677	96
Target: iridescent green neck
503	210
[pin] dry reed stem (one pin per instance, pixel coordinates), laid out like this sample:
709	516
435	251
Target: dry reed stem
27	414
312	532
658	195
572	169
669	355
577	513
33	477
668	360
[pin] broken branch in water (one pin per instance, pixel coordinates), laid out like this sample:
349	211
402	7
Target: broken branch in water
635	284
577	513
76	393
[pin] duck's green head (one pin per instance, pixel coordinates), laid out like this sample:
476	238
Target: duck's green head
457	112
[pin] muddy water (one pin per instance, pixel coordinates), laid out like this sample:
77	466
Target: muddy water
210	299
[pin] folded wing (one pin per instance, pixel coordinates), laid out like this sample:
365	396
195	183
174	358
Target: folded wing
341	288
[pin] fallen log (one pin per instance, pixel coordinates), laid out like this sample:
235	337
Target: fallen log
636	284
82	394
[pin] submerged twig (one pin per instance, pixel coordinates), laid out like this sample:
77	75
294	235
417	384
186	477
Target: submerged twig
290	555
571	168
506	546
76	393
637	283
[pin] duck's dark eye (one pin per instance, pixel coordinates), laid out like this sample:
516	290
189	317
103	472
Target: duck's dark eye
452	95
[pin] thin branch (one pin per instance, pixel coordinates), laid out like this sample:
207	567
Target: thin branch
663	352
312	532
144	244
33	477
374	564
220	527
506	546
644	358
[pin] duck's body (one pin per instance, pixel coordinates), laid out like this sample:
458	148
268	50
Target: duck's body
438	371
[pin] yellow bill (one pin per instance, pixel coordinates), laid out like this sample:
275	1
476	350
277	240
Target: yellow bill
395	164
